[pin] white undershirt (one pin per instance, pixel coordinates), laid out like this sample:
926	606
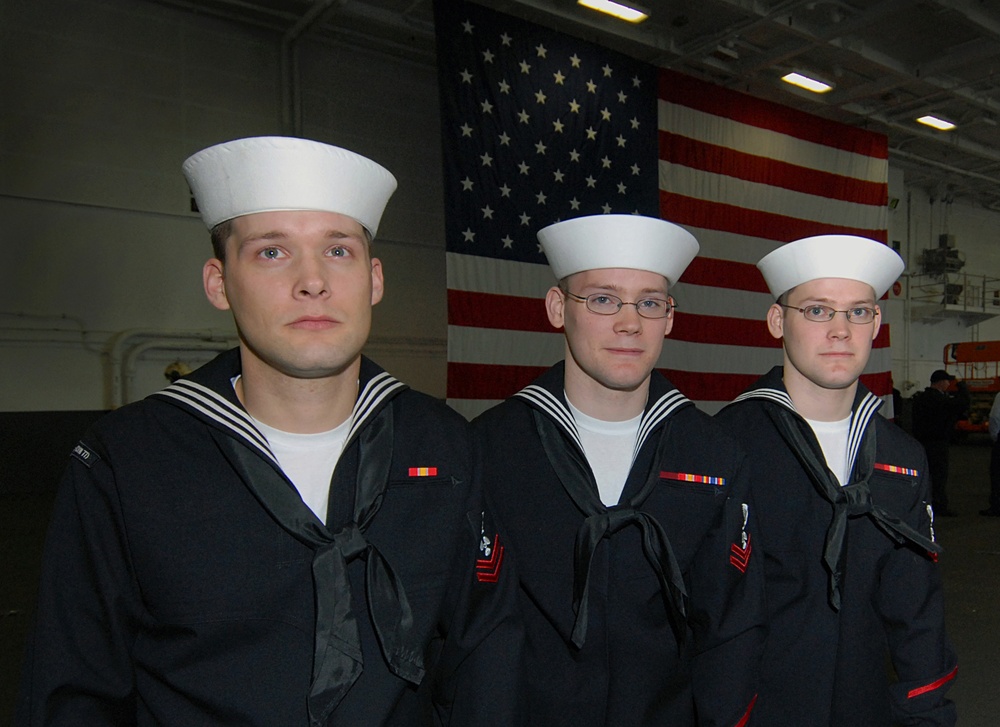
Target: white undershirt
308	460
832	438
609	447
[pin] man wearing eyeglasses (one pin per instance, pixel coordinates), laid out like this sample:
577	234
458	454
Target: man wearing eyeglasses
846	525
624	507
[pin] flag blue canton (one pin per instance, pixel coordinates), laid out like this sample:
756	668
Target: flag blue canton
538	127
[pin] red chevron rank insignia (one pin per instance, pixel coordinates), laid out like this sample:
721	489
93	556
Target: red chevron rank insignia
488	569
739	557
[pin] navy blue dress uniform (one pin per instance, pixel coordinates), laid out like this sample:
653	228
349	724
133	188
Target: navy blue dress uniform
855	608
837	607
627	607
186	582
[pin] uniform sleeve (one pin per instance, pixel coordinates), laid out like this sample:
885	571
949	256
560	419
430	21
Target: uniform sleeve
478	680
727	614
910	600
78	666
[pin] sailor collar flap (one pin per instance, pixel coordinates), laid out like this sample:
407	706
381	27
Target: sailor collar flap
547	396
208	395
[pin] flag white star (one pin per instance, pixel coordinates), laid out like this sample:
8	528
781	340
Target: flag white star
487	160
504	139
505	39
525	67
488	212
488	55
525	220
524	168
504	87
574	155
505	190
467	27
620	139
540	197
487	107
558	126
574	106
591	87
607	70
466	130
523	116
591	133
507	241
574	204
559	77
605	162
540	148
622	98
469	235
591	182
540	96
574	60
605	114
541	50
621	188
558	175
467	185
466	76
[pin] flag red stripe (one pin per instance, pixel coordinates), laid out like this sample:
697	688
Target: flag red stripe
716	159
707	215
724	274
488	381
489	310
708	98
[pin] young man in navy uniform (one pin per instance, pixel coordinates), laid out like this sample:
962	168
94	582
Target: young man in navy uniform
625	508
843	503
289	535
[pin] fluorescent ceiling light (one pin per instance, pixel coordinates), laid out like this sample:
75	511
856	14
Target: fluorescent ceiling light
810	84
935	122
623	12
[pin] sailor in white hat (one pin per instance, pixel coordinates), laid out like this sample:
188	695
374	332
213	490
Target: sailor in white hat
842	496
616	492
261	522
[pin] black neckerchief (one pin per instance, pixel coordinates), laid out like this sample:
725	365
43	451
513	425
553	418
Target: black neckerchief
337	658
852	500
555	426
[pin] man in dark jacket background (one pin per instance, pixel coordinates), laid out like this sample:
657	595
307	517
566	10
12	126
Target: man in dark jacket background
935	412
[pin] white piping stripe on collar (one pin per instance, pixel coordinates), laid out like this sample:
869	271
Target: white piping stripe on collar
860	417
663	408
215	407
859	422
374	393
551	405
776	395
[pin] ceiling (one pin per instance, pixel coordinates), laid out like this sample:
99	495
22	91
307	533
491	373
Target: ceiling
890	61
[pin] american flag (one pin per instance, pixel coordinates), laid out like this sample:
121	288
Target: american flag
538	127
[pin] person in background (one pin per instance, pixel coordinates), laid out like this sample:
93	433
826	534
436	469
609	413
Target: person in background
843	503
935	411
994	509
289	535
625	507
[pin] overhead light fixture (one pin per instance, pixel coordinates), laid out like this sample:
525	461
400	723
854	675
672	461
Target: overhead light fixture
631	13
936	123
810	84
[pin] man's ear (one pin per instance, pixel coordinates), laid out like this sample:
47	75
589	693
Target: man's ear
776	321
214	279
555	300
878	322
378	283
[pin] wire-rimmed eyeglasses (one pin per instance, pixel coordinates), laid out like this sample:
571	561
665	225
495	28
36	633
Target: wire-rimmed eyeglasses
860	315
605	304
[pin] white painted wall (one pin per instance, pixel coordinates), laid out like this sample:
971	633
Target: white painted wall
103	99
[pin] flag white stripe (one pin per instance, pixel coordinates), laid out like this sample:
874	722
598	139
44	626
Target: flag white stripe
720	131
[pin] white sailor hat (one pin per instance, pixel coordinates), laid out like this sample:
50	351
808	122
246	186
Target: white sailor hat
273	173
831	256
618	241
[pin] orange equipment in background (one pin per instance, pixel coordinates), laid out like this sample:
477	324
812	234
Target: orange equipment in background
978	364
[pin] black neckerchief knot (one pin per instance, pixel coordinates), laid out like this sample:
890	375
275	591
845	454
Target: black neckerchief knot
854	500
602	522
